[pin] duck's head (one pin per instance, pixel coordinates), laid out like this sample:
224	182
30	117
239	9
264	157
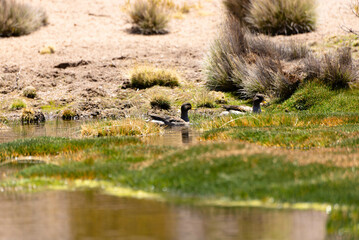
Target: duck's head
258	98
186	107
184	111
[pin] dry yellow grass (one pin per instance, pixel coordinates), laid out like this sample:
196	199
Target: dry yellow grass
123	127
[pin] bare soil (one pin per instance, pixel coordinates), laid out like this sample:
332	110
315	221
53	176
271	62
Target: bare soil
94	52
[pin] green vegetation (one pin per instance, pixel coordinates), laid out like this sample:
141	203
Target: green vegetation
29	92
146	76
220	170
274	17
160	102
17	104
315	97
18	19
123	127
149	16
45	146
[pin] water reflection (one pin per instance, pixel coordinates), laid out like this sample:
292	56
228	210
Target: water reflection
57	128
90	215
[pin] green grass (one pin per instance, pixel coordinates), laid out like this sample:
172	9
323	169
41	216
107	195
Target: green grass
188	173
318	98
205	172
17	104
45	146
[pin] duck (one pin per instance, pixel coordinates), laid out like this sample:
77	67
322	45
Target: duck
238	110
173	121
257	100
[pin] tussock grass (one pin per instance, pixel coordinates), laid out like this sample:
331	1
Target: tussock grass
146	76
69	114
274	17
123	127
336	70
160	102
18	18
239	9
29	92
205	99
249	64
17	104
149	16
285	17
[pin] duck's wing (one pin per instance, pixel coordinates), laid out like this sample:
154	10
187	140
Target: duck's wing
157	117
176	122
240	108
168	120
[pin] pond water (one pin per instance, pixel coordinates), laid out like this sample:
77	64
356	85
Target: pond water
59	128
91	215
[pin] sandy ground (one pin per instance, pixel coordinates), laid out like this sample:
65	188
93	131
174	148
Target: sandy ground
96	32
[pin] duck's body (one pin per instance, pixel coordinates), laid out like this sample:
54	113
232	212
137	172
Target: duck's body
173	121
234	109
257	100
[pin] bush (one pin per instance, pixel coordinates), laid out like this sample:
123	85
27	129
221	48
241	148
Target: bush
145	77
160	102
18	19
274	17
286	17
17	104
335	70
149	16
69	114
29	92
250	64
238	9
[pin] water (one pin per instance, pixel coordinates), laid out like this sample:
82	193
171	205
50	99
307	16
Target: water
59	128
89	215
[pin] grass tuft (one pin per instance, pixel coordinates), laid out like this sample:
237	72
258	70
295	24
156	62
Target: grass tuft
18	19
282	17
146	76
17	104
149	16
241	62
29	92
123	127
160	102
334	70
69	114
